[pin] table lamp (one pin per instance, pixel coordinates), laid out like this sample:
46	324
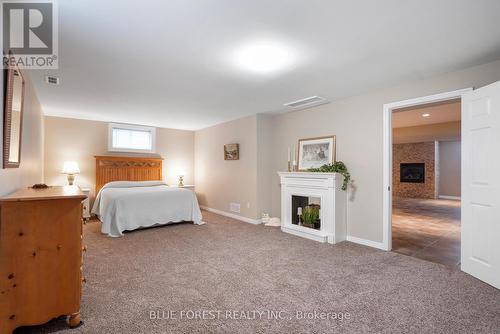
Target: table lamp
70	168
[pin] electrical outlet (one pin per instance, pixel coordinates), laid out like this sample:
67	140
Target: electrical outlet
248	205
235	207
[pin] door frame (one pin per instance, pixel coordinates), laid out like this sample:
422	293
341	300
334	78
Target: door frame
387	152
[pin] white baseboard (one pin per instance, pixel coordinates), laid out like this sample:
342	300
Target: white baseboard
366	242
455	198
232	215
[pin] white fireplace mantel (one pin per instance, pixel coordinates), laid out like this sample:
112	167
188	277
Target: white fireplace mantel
327	187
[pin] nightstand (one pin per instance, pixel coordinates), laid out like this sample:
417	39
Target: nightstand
187	186
86	204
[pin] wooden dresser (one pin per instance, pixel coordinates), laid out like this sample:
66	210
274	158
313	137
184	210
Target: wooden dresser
40	256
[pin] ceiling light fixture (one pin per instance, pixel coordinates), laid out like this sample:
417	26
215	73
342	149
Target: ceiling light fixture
426	115
264	57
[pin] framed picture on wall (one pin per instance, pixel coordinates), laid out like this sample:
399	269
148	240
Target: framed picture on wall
316	152
231	152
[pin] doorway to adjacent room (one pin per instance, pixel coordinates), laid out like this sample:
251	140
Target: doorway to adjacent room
424	195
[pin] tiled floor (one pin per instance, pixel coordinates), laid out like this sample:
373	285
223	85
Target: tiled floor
427	229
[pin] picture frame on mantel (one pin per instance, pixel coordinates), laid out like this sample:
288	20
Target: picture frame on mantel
316	152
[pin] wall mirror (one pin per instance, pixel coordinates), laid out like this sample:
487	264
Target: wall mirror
13	118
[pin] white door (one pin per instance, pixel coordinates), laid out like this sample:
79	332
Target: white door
481	184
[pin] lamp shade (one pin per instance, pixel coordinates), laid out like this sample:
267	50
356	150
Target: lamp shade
179	171
70	167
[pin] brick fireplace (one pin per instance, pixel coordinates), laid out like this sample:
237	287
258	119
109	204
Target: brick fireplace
414	170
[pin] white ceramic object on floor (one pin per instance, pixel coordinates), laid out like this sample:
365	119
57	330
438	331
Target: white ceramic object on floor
273	222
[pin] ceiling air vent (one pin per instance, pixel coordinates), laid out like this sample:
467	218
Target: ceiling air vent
52	80
308	102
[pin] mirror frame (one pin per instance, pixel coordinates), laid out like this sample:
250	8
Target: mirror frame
7	116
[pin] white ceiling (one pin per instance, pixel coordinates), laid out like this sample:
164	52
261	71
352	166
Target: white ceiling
438	113
168	63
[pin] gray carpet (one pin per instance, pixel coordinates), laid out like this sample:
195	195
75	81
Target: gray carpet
234	266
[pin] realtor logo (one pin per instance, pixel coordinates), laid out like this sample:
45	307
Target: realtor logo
29	34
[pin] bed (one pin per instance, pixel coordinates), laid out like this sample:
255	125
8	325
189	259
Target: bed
131	195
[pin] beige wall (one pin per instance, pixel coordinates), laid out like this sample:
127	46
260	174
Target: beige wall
80	140
357	122
449	131
220	182
450	168
31	168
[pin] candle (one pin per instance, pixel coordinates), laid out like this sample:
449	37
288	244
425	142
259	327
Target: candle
289	154
299	211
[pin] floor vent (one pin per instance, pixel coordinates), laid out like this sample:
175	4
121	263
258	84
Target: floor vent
52	80
308	102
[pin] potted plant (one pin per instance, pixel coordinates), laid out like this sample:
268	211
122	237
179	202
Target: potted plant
310	216
336	167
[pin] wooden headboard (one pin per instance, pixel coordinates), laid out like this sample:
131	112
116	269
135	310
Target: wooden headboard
112	168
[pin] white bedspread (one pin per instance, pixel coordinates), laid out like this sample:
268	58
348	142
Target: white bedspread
125	205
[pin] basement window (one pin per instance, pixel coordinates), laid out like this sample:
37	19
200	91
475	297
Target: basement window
131	138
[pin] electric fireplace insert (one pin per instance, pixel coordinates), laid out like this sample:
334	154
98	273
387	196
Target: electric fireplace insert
412	172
